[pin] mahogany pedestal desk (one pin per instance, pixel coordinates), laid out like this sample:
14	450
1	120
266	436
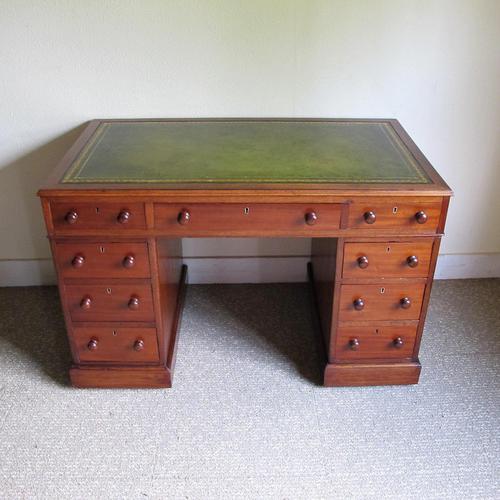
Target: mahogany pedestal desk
128	191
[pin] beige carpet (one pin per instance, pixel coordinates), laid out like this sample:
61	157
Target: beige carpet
246	417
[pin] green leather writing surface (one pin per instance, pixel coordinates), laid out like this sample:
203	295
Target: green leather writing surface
245	152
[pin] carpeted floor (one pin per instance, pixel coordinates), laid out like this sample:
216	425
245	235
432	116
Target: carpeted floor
246	417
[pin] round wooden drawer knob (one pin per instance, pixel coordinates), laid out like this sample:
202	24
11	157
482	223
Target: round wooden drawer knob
359	304
133	303
78	261
129	261
92	345
311	218
421	217
363	262
123	216
354	344
405	302
183	217
139	345
370	217
86	302
71	217
412	261
398	343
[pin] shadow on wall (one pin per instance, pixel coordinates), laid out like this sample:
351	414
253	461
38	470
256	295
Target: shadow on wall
22	231
490	202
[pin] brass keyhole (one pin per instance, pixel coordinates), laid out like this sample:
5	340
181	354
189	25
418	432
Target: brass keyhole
96	210
246	210
108	291
395	210
388	249
102	249
114	333
382	290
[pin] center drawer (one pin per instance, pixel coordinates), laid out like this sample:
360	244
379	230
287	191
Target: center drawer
381	302
102	260
208	219
124	302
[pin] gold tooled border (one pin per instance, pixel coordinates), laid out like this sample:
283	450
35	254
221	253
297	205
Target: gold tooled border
72	175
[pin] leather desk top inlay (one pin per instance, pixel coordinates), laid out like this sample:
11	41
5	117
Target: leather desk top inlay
253	152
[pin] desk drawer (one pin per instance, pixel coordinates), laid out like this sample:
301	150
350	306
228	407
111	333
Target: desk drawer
102	260
381	302
387	260
201	219
419	215
124	302
72	216
375	342
124	345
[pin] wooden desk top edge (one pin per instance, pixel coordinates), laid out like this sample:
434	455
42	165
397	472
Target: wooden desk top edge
55	188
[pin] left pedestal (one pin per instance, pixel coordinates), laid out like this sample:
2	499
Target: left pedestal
122	301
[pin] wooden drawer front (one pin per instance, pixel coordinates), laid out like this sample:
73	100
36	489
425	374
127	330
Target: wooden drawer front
103	260
239	219
127	345
380	302
375	342
83	215
110	302
387	260
400	214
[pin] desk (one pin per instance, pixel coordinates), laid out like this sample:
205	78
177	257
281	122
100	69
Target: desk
128	191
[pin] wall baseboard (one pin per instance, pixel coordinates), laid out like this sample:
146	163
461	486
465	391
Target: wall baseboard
27	272
251	269
462	266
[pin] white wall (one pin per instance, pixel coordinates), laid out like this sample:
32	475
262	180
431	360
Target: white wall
434	65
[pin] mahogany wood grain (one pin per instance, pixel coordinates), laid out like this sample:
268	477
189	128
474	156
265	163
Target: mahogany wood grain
376	341
97	215
110	302
168	257
127	377
387	260
177	318
143	221
116	344
322	276
371	374
444	212
103	259
247	219
395	213
111	376
427	296
381	301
